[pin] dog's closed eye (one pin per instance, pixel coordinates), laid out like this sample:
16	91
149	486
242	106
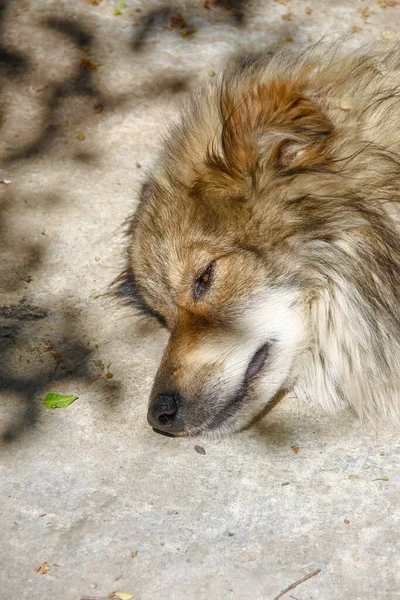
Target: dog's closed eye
202	282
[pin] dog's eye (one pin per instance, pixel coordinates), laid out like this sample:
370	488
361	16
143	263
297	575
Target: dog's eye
203	281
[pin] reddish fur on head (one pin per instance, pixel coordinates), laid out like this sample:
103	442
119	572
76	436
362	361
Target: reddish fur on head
273	123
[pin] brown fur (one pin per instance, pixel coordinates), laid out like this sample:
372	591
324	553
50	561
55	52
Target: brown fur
284	174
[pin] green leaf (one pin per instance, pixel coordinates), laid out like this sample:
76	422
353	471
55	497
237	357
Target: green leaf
122	4
58	400
117	12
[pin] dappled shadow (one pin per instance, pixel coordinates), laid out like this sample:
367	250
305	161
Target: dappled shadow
171	16
41	344
46	349
21	256
37	347
79	84
12	61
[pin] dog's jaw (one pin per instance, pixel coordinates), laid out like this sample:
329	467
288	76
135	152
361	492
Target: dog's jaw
249	365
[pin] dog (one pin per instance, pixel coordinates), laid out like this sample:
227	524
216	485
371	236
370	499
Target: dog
266	240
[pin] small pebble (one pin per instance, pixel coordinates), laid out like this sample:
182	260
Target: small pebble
199	450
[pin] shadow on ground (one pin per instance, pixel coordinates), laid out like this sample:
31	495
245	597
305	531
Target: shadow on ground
81	84
34	353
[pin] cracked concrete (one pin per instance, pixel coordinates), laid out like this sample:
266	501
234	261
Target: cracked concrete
90	489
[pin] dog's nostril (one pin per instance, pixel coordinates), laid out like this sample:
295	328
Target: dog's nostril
165	420
164	413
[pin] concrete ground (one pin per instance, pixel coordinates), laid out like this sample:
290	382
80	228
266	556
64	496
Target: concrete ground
92	501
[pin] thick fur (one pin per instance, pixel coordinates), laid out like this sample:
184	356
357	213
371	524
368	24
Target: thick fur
284	174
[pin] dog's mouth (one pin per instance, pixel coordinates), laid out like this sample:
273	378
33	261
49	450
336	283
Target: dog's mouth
166	433
232	406
257	362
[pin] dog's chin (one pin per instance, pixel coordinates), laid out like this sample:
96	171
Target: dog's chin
227	428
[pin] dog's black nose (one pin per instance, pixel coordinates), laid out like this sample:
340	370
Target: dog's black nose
163	414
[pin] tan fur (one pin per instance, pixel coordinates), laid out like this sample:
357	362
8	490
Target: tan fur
284	173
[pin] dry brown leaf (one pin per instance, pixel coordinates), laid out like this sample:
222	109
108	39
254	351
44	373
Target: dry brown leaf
177	21
43	568
365	12
57	357
187	32
85	63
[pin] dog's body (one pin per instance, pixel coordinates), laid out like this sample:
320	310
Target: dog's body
267	241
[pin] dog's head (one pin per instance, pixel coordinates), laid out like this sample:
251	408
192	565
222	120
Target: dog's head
214	253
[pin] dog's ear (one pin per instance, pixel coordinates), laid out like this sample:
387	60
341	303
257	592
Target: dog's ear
276	123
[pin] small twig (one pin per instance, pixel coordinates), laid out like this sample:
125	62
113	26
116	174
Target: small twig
296	583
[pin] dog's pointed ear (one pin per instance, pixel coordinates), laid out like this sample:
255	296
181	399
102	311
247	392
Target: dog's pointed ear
275	124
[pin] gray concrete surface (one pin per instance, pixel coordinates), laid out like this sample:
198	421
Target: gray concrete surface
91	490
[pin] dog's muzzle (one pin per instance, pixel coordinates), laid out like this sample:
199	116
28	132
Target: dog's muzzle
164	415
